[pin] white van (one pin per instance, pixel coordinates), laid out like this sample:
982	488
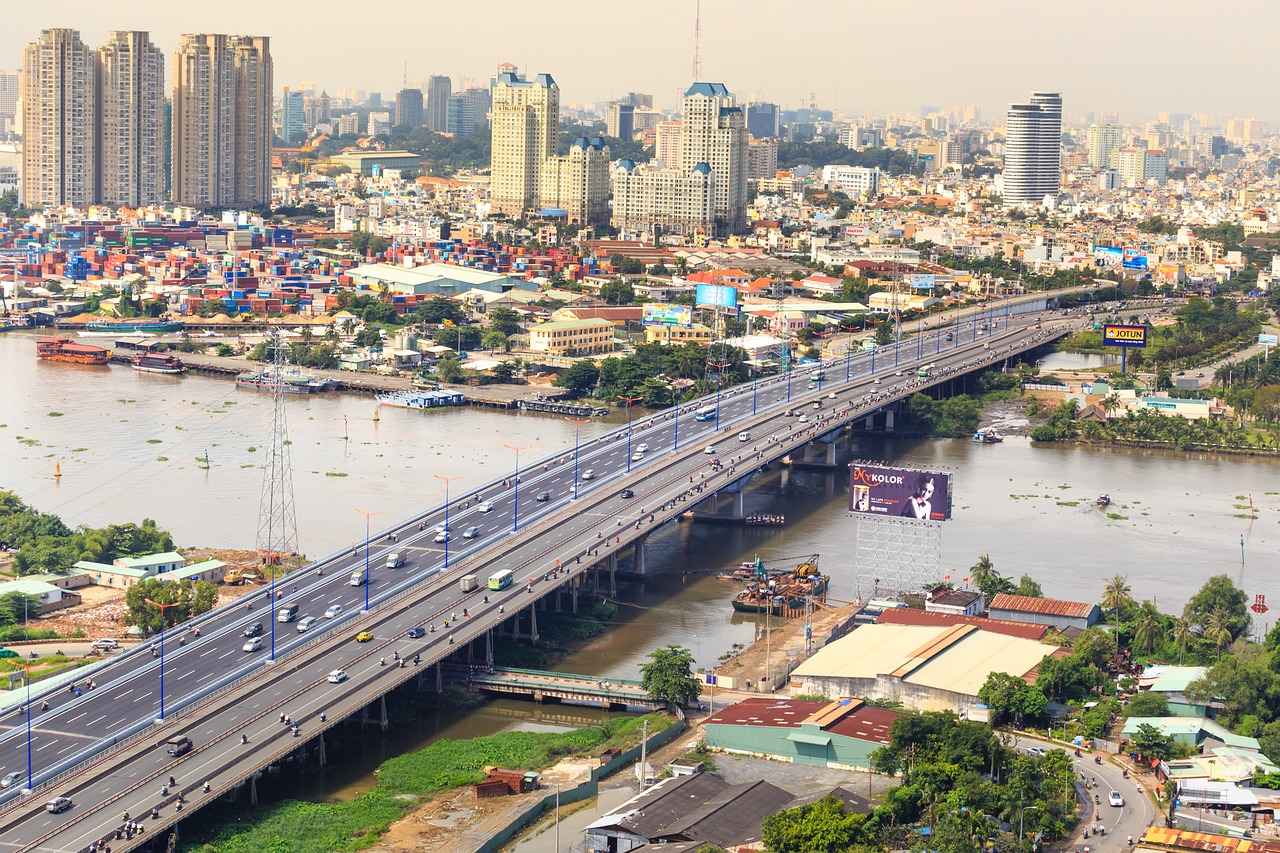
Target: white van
744	436
357	578
395	561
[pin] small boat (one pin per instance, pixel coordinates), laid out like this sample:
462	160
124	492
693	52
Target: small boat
422	399
290	381
151	327
747	571
158	363
987	435
65	349
1104	499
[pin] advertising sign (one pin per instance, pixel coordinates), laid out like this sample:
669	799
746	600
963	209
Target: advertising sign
1124	336
921	282
857	231
899	492
1108	256
1134	260
1267	340
716	295
667	314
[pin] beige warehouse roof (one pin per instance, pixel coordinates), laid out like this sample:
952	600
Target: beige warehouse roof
956	658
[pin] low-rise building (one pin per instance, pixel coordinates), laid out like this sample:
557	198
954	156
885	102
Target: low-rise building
169	566
364	162
840	734
1045	611
958	602
666	333
572	337
52	596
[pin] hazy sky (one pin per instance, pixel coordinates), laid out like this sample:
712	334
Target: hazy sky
1135	57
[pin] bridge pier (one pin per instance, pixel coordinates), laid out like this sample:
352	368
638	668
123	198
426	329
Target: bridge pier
385	721
488	647
573	596
253	789
439	677
533	624
613	575
870	423
320	753
637	555
888	420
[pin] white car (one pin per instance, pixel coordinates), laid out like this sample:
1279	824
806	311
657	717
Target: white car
307	624
487	506
1115	799
637	456
642	448
711	449
252	644
471	532
337	676
804	419
442	536
333	611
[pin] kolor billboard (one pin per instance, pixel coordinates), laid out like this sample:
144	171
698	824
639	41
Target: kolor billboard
899	492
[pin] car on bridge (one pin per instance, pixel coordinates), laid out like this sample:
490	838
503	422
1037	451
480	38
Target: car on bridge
254	630
416	632
252	645
711	448
333	611
9	779
442	536
364	637
58	804
471	532
627	493
307	624
487	506
543	497
637	456
642	448
337	676
589	474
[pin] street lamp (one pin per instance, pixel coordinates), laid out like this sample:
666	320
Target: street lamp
367	516
629	401
26	669
515	505
446	481
163	608
576	424
1022	814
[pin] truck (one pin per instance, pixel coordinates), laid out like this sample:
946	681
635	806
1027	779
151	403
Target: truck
357	578
467	583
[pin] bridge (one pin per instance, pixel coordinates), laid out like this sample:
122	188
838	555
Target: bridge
105	748
543	686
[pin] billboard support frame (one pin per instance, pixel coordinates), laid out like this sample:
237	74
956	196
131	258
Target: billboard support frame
894	556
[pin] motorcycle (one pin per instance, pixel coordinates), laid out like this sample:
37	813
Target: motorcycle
1125	773
1097	759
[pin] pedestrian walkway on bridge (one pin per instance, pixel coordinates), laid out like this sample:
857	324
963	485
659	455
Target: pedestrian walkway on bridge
562	686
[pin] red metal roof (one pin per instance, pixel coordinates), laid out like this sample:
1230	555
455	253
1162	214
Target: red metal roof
867	723
1047	606
861	721
909	616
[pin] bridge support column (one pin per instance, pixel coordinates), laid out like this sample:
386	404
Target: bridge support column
713	504
533	624
739	504
253	790
888	420
870	422
637	555
439	677
573	598
613	574
488	647
382	708
831	453
320	754
364	716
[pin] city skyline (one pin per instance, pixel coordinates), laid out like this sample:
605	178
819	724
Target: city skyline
990	56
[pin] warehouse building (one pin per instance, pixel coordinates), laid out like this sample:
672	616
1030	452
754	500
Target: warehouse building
1045	611
822	734
926	668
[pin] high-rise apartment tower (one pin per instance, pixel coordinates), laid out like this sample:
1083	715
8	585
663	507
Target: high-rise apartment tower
1033	149
59	119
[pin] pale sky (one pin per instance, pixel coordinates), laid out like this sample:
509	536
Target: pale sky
1134	57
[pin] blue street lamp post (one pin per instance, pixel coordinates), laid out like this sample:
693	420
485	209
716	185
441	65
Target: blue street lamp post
367	579
675	440
515	504
163	608
447	533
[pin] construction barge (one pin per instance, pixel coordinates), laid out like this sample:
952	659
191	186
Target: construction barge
781	593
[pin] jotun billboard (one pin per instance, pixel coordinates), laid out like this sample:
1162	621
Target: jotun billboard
902	492
1124	336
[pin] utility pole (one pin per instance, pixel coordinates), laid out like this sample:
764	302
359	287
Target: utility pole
644	754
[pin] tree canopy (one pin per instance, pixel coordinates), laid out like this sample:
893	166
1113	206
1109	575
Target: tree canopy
668	676
190	597
47	545
1220	596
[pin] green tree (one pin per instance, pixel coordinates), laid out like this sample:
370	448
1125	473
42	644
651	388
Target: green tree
191	597
1151	743
505	320
367	337
617	293
1219	595
668	677
1148	627
1000	693
1029	587
826	826
492	340
1115	595
1147	704
449	370
884	333
580	379
437	309
1244	682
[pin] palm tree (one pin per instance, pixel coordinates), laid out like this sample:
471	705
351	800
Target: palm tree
1111	403
1115	595
1182	634
983	571
1148	629
1217	629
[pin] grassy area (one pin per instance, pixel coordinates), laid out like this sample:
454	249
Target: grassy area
404	783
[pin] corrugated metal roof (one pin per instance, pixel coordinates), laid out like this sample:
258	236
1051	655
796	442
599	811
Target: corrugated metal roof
1159	838
910	616
1047	606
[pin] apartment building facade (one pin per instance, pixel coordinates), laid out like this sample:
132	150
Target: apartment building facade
59	118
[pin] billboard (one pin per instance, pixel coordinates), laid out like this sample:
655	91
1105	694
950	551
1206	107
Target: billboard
1134	260
667	314
716	295
1108	256
921	282
1267	340
899	492
1124	336
857	231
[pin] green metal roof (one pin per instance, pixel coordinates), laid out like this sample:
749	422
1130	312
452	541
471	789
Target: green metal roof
811	740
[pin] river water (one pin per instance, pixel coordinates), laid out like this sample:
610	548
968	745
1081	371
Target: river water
128	444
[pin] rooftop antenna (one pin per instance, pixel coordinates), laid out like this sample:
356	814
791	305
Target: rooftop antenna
697	42
405	81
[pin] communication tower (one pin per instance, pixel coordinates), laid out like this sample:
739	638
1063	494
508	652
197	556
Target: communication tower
697	41
277	520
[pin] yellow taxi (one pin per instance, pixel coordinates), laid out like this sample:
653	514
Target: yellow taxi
364	637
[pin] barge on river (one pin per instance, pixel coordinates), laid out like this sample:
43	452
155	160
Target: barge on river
135	327
782	594
155	362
